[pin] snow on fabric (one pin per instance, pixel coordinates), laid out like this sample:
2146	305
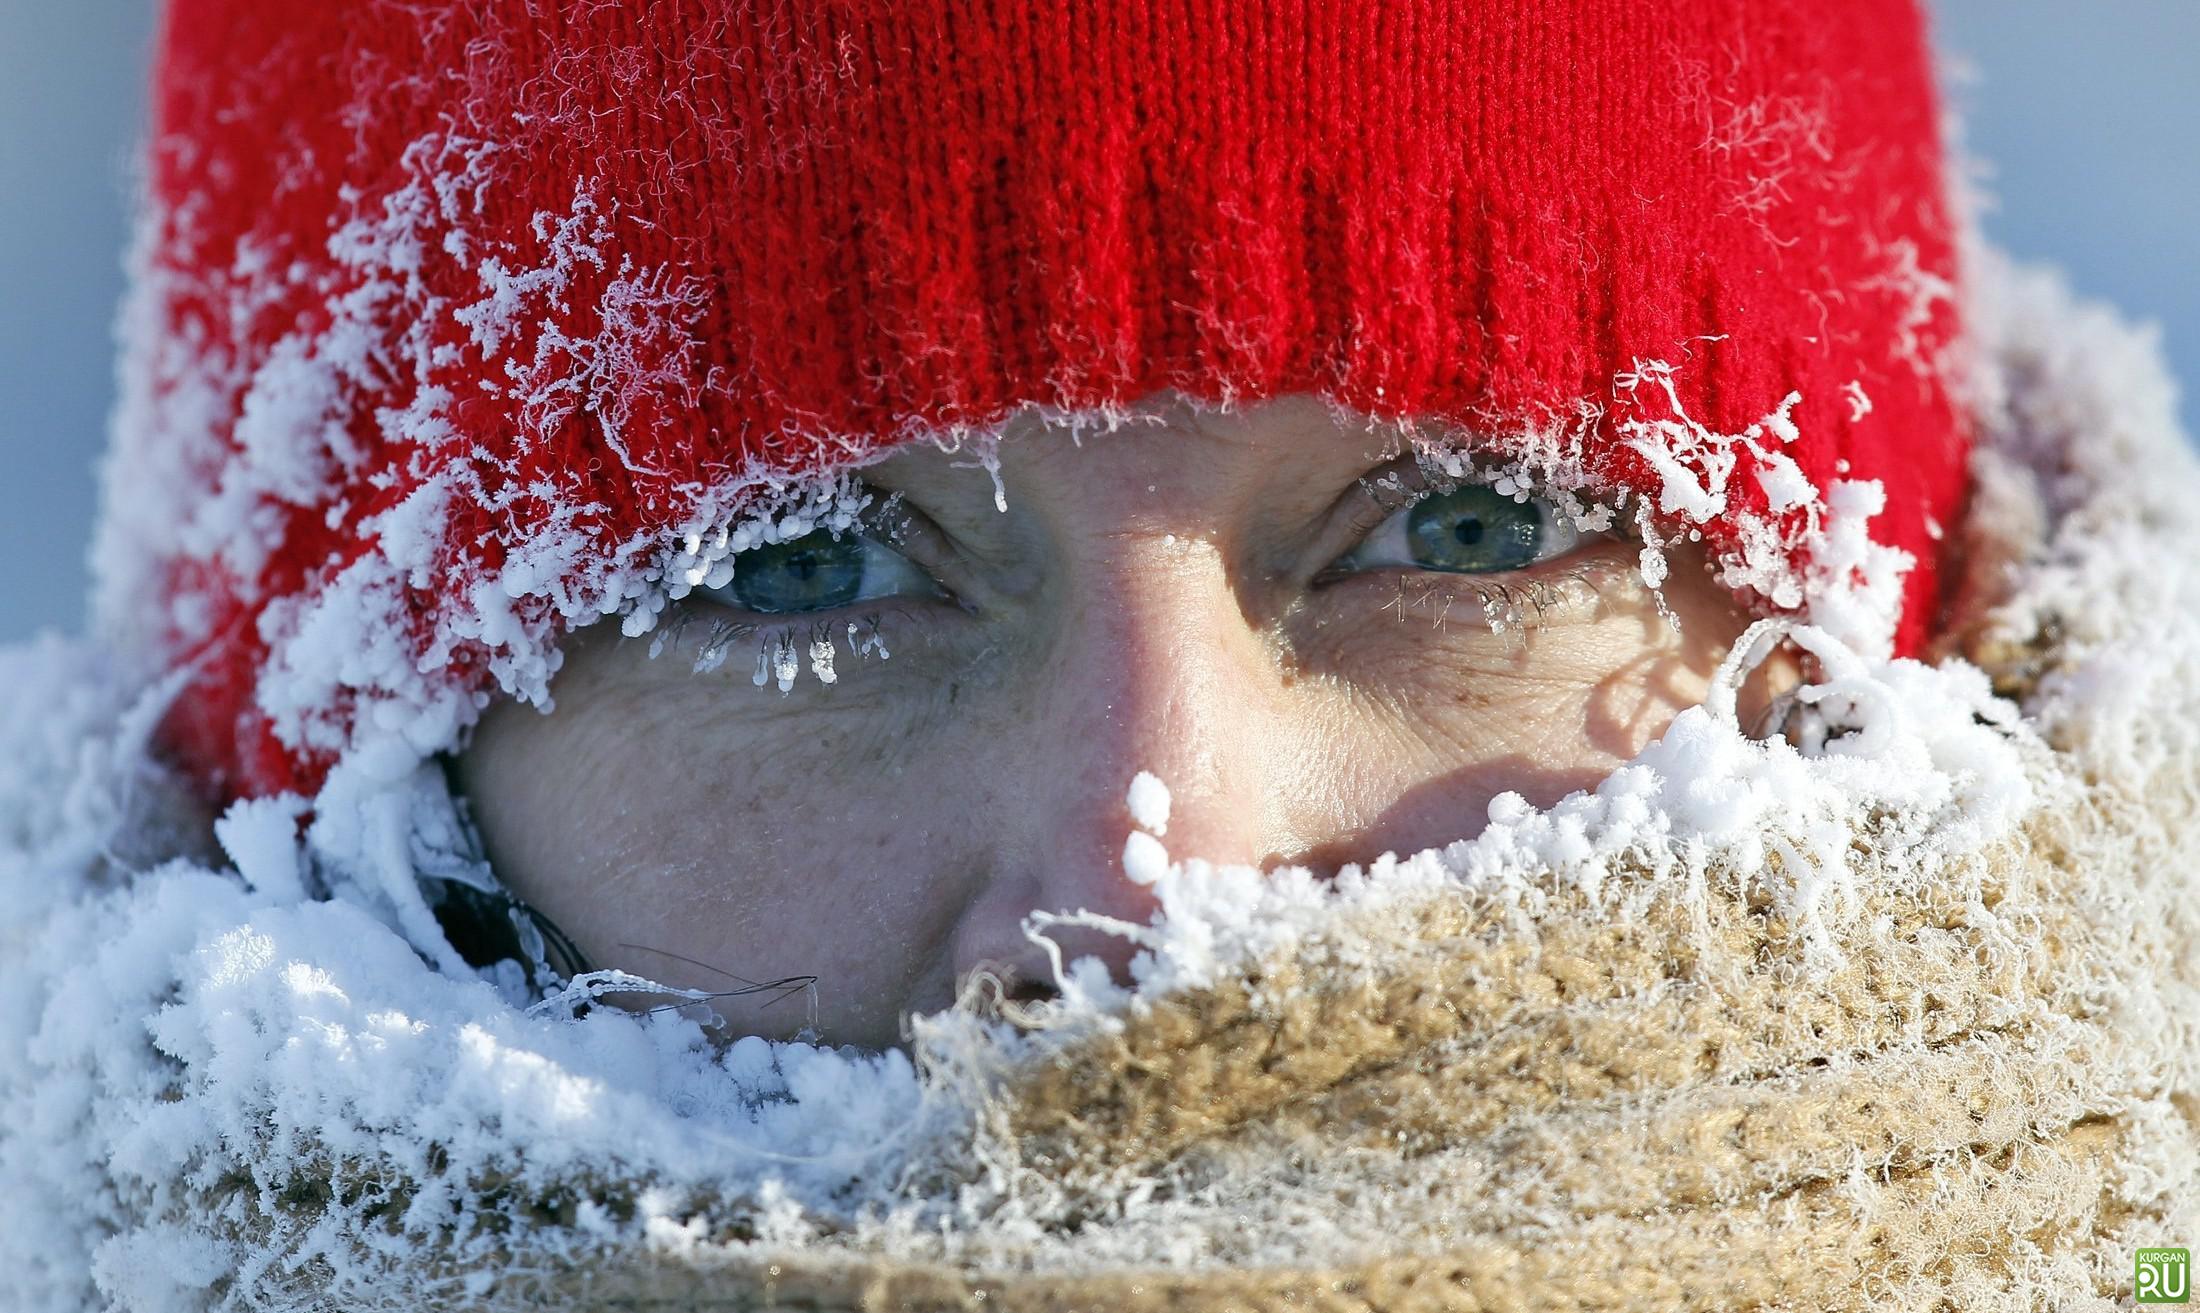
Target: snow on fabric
458	324
1907	1009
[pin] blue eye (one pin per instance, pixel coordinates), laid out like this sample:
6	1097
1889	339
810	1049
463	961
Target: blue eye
819	571
1468	530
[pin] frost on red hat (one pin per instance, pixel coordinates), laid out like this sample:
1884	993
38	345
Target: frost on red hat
457	323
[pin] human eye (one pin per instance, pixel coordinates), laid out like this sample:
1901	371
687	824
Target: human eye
1470	529
819	571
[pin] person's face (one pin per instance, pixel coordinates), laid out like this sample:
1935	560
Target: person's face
1245	605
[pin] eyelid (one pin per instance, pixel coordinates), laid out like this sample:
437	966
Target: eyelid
1397	485
1355	512
987	561
900	526
881	555
893	522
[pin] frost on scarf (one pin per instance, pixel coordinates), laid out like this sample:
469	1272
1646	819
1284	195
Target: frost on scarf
256	1079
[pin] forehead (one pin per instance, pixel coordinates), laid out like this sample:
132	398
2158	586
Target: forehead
1168	446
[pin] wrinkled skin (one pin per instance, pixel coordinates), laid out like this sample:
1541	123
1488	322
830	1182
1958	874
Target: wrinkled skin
1160	598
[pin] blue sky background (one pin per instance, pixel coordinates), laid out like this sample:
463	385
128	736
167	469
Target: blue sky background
2087	114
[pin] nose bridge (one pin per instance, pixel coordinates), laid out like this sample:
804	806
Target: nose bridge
1150	665
1162	673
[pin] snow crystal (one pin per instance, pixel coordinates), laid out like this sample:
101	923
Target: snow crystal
1148	801
261	837
1145	860
1805	553
821	660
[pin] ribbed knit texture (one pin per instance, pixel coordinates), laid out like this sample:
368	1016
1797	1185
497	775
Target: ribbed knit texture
579	268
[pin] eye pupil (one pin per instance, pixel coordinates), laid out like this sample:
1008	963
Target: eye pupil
815	572
1473	530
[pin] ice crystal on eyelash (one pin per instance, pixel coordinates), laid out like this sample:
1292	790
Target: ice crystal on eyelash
1499	609
1547	470
871	639
890	521
718	645
668	636
1516	610
1507	609
1389	491
777	661
821	659
786	665
711	653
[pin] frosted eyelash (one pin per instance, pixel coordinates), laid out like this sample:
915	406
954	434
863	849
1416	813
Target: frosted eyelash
782	650
1505	607
785	649
1441	470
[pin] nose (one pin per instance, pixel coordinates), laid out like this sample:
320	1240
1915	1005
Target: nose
1152	667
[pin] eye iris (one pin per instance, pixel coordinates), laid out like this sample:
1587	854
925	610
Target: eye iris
815	572
1473	531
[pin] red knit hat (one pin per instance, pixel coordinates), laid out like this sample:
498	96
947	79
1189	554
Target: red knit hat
461	322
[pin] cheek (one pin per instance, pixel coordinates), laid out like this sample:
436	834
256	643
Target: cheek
701	830
1429	725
